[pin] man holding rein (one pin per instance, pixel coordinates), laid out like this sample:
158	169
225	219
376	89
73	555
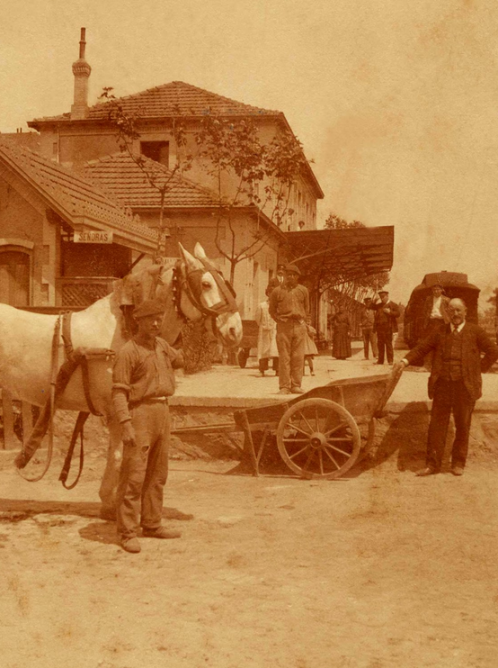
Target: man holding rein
143	379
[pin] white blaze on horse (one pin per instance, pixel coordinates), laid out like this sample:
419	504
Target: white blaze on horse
193	289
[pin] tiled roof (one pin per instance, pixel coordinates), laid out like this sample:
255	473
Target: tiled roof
75	196
127	183
27	139
172	99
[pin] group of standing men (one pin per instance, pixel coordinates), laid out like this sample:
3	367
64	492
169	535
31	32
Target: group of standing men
379	323
288	306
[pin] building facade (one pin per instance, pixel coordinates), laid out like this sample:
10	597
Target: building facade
84	142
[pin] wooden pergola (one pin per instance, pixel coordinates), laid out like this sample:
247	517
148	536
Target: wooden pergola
340	254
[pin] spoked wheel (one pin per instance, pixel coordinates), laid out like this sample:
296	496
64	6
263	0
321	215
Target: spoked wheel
318	438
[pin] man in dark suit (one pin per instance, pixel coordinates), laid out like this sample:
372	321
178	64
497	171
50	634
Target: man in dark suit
367	329
455	383
386	317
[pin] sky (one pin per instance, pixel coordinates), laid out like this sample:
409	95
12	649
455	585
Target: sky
396	102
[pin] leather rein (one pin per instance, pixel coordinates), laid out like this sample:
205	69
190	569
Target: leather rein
189	282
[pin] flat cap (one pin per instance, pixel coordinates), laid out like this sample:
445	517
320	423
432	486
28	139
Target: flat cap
148	307
383	292
292	268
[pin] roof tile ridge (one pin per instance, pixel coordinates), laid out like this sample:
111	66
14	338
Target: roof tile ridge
99	105
228	99
109	157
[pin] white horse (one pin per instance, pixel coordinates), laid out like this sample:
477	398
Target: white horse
191	291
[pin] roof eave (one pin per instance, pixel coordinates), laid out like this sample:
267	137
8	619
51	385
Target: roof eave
56	120
69	216
131	239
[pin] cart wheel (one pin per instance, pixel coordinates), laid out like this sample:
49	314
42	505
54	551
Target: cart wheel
318	438
242	357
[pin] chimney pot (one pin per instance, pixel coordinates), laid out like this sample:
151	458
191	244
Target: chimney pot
81	71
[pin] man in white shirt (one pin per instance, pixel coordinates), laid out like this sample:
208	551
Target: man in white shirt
436	314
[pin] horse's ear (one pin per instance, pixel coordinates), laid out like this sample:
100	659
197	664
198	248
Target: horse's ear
199	252
189	259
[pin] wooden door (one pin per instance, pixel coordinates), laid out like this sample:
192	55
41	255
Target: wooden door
14	278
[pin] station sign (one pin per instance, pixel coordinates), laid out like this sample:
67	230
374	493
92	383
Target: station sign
93	237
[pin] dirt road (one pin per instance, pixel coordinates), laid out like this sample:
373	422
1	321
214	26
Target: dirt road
383	569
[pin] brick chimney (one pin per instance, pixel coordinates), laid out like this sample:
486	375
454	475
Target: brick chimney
81	71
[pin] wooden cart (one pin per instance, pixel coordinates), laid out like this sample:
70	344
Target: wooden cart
319	434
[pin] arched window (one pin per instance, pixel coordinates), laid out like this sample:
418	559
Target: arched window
14	276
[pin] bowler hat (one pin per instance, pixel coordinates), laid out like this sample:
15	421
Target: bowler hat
292	269
148	307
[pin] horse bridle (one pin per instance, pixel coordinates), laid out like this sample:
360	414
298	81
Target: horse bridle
183	280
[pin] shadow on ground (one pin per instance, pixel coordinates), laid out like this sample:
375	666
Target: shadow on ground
16	510
399	437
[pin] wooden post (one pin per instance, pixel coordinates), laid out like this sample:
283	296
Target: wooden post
248	442
27	421
8	420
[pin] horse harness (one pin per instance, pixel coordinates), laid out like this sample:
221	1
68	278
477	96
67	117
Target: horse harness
183	280
190	283
60	378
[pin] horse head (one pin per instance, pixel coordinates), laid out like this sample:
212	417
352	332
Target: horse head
193	289
204	292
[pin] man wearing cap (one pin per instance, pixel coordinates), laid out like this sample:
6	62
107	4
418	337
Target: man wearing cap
386	316
143	379
462	352
278	280
436	314
367	329
289	307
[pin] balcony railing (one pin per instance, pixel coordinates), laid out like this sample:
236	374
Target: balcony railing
82	290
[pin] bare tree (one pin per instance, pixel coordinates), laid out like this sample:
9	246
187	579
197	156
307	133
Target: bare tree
248	173
127	134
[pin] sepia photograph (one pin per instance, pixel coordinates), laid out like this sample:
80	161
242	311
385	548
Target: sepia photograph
248	334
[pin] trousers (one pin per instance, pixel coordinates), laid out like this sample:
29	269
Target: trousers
144	470
385	344
369	340
291	337
450	396
263	363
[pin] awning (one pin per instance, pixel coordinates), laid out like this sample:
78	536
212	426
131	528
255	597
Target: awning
340	255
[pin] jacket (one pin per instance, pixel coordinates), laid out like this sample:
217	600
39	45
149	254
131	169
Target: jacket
290	303
475	341
383	320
